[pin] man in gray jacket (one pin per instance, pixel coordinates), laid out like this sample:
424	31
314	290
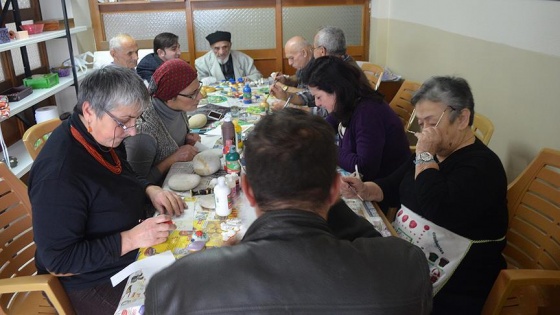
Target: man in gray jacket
222	63
298	257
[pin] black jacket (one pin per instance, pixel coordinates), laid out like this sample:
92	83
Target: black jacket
289	262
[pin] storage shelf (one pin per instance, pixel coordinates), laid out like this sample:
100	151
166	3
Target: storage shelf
24	159
18	149
40	94
41	37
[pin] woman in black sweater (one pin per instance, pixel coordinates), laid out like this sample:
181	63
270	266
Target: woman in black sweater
452	198
88	204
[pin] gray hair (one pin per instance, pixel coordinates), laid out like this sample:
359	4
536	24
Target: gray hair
332	39
110	87
454	92
116	42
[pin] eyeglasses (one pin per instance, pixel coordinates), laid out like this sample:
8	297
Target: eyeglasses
137	124
437	123
318	47
194	94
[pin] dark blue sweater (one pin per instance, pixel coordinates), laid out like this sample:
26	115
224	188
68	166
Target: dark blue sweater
80	208
148	65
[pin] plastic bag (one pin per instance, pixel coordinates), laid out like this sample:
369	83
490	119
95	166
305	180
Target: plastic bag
81	61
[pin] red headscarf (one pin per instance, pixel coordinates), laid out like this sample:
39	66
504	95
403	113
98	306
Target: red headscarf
171	78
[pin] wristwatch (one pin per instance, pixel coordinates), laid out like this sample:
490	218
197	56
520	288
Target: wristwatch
424	157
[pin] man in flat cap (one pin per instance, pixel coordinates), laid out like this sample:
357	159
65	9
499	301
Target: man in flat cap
222	63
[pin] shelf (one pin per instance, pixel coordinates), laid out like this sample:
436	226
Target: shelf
24	159
18	149
41	94
37	38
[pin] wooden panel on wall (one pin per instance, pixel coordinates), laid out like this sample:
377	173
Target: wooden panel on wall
267	60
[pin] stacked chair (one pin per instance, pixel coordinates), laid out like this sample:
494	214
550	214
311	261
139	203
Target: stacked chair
35	137
531	283
21	290
373	73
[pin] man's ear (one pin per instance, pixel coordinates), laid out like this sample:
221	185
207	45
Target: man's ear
160	53
248	191
112	53
334	193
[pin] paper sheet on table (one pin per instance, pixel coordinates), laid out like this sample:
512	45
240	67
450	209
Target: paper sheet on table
210	140
214	132
149	267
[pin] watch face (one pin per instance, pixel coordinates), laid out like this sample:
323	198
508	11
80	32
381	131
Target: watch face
426	156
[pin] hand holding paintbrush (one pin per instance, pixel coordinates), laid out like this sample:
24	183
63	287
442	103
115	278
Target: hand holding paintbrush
348	189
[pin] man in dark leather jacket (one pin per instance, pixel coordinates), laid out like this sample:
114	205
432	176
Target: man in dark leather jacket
292	260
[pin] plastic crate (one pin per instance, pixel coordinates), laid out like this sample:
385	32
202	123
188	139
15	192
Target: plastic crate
41	81
17	93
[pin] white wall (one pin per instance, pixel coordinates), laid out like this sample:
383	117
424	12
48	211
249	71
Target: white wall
509	51
58	48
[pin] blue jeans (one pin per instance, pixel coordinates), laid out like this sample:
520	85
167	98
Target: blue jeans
98	300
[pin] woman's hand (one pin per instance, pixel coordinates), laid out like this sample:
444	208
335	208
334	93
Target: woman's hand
429	140
279	91
185	153
192	138
277	105
353	187
150	232
166	202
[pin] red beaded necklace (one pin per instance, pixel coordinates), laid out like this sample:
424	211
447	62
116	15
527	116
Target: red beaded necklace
117	169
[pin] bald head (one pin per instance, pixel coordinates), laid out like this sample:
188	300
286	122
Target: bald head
298	52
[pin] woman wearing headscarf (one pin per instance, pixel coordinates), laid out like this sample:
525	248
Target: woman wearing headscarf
165	137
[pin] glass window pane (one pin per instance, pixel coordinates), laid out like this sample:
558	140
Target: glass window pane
251	28
305	21
128	22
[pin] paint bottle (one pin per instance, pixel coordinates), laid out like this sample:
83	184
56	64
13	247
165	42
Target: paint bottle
222	198
232	161
247	94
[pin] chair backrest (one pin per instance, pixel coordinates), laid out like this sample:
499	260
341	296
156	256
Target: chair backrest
401	102
483	128
533	237
17	248
35	137
373	73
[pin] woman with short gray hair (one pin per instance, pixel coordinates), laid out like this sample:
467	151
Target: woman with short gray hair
89	217
452	198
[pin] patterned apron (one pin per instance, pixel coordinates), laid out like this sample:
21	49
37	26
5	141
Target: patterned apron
444	249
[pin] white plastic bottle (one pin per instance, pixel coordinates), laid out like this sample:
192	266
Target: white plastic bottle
222	198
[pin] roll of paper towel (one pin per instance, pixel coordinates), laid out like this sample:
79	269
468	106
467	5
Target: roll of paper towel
46	113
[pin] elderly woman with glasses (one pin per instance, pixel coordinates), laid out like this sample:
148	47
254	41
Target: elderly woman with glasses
165	137
371	136
452	198
89	206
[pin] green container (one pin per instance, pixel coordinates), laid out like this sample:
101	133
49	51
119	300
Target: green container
41	81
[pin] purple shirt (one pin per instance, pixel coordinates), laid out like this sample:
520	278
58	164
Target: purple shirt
374	140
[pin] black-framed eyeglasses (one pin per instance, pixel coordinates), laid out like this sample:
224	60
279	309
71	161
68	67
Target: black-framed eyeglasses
194	94
137	123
